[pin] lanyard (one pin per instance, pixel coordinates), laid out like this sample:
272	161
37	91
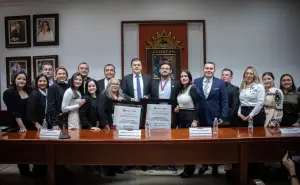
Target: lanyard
162	87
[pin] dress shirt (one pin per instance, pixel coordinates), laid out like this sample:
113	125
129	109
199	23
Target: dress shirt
252	96
135	86
209	85
105	83
166	93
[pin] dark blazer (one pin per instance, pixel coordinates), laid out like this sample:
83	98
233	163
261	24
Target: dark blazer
298	89
101	84
54	100
175	88
127	85
216	104
233	103
36	106
16	107
105	109
88	114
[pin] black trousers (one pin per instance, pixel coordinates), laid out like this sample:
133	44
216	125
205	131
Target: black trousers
185	119
258	120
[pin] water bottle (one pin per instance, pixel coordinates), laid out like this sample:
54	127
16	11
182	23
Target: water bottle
250	125
216	126
147	128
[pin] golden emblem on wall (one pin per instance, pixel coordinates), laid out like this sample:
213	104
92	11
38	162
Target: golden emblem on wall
163	46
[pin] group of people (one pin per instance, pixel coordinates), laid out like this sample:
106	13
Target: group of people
85	103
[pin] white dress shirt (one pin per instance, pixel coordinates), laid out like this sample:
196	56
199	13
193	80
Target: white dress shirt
48	36
135	86
252	96
209	85
105	83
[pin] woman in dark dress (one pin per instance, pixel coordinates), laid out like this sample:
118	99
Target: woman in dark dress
55	97
15	99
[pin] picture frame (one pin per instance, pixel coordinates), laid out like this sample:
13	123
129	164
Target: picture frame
15	65
38	62
46	29
17	31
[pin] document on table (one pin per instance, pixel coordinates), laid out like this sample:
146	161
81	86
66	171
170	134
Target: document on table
127	117
159	116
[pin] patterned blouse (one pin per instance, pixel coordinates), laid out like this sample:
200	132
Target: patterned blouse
273	106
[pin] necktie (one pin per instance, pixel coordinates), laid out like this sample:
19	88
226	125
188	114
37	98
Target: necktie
205	90
138	87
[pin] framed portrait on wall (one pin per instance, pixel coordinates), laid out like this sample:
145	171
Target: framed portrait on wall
46	30
14	65
17	31
40	61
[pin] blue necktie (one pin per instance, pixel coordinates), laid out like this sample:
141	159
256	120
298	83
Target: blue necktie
138	87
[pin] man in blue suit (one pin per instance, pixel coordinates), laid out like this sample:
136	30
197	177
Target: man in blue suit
213	102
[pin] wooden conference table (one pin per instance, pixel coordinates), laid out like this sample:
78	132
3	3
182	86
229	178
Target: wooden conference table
85	147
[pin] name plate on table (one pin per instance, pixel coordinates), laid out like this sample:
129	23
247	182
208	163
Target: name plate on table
135	134
49	134
200	131
287	131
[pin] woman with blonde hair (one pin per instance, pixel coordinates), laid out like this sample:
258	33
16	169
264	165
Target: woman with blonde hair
252	95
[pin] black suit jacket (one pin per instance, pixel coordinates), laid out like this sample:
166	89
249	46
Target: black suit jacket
101	84
127	85
233	102
175	88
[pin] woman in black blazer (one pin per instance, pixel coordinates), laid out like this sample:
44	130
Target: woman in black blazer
88	112
105	102
55	97
15	99
36	107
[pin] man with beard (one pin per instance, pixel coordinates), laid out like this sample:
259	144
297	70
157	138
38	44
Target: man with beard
166	88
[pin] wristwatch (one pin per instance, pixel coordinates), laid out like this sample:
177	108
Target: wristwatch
293	176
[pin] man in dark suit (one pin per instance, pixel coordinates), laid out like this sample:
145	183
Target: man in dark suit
166	88
233	97
109	72
213	103
137	85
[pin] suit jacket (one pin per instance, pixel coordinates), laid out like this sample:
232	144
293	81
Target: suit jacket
216	103
298	89
233	102
127	85
101	84
16	107
175	88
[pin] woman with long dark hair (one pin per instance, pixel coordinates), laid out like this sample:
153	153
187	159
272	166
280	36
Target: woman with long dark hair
188	110
72	101
291	102
15	99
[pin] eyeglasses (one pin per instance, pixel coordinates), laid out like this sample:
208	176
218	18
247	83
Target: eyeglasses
114	84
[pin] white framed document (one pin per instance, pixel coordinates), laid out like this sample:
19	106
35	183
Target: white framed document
159	116
127	117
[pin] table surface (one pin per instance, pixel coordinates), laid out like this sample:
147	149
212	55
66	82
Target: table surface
173	135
